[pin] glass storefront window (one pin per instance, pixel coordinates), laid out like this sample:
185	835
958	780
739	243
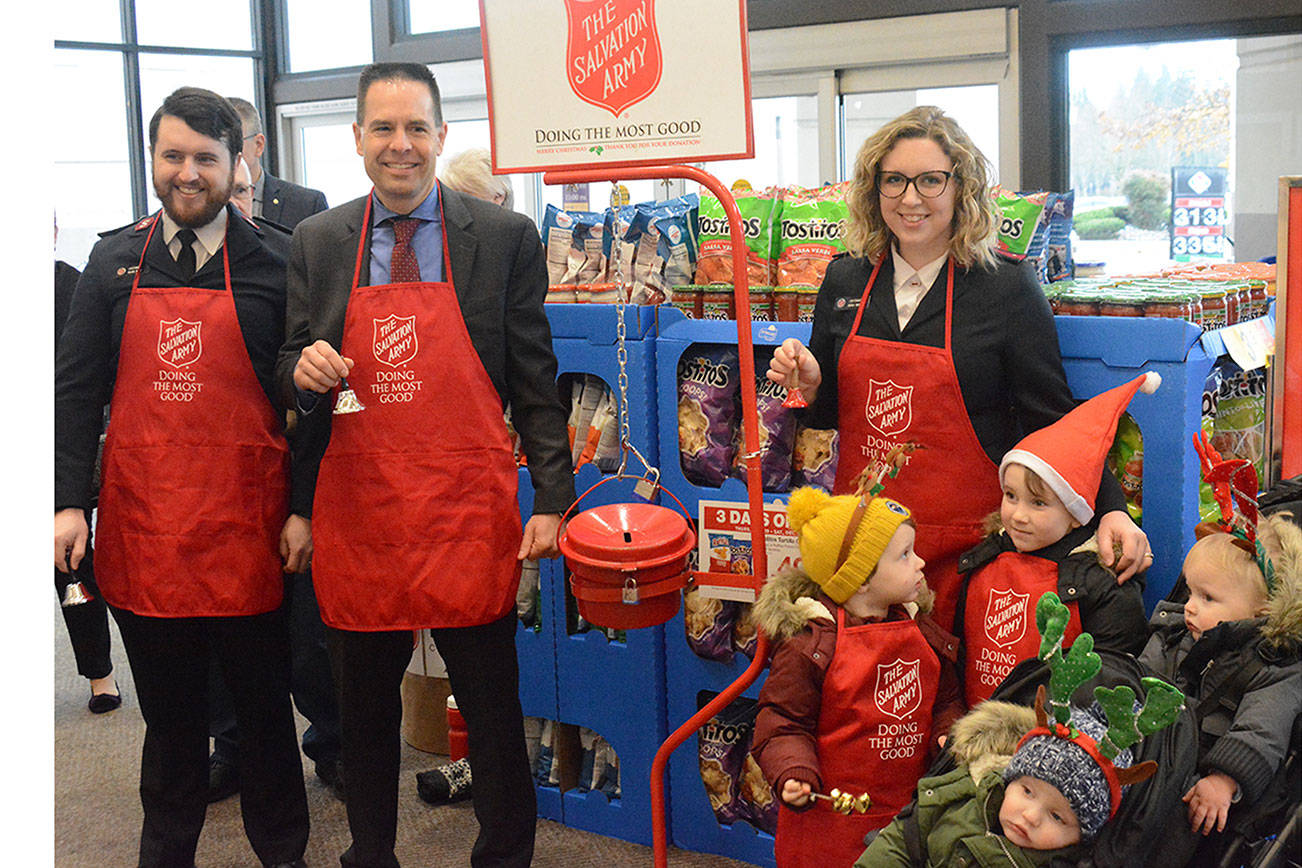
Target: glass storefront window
327	34
224	24
91	177
786	145
330	161
436	16
87	21
974	107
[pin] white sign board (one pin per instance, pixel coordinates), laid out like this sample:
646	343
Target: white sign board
615	83
724	548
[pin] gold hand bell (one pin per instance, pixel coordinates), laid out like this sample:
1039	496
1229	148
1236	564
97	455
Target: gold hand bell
844	803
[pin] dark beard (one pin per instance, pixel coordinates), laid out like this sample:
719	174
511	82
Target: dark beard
214	202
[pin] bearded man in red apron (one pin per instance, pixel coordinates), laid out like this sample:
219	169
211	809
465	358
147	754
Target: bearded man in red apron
430	303
176	322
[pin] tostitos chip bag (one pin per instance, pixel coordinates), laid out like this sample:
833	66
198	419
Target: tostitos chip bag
759	215
1020	215
812	228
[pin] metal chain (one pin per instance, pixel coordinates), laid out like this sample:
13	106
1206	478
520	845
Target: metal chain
621	354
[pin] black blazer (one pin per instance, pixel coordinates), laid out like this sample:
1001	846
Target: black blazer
288	204
500	277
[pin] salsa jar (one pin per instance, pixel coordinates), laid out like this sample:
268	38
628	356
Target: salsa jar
717	302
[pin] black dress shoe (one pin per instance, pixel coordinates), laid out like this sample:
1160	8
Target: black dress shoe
331	773
223	780
101	703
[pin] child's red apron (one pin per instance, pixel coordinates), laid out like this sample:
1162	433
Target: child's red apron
999	628
195	487
874	726
891	392
415	520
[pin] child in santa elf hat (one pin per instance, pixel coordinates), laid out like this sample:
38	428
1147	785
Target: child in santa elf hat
1043	539
855	685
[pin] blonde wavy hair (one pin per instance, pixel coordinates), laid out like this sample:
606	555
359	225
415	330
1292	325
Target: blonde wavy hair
976	218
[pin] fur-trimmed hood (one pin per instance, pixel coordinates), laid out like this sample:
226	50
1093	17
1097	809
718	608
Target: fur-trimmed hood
985	738
1283	627
791	599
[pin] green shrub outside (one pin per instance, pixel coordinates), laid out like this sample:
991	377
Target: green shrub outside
1148	196
1099	229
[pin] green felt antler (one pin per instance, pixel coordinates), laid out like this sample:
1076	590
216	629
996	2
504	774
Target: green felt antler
1162	704
1051	618
1069	671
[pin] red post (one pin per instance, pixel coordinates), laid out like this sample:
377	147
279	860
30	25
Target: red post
750	427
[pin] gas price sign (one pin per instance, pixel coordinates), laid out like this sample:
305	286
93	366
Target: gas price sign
1199	216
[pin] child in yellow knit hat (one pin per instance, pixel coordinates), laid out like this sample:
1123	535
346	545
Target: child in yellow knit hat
856	685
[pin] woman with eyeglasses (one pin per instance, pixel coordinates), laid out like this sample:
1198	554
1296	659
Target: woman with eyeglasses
924	335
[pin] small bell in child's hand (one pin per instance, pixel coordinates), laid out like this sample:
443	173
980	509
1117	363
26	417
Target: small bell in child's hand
795	399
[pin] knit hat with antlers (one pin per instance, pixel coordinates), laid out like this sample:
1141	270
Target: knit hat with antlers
1085	752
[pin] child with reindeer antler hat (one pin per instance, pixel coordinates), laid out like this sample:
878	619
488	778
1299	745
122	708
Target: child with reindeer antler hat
1032	786
859	680
1234	645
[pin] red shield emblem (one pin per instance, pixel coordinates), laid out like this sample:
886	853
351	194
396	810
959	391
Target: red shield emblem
1006	617
612	52
889	408
179	342
395	340
899	688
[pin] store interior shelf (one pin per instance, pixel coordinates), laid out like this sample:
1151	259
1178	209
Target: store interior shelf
598	323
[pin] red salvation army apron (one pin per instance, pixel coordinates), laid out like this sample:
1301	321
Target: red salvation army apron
415	520
999	619
195	487
893	392
874	726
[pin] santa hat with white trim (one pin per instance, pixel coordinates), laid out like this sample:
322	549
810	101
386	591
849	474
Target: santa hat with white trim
1069	454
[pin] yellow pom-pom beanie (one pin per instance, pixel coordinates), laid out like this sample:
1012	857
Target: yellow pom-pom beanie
821	523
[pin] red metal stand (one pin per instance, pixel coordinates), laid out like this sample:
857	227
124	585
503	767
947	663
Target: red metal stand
754	485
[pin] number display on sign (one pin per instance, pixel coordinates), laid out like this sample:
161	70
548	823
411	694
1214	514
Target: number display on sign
1196	245
1200	217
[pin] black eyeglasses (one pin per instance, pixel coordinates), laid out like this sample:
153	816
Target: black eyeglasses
928	184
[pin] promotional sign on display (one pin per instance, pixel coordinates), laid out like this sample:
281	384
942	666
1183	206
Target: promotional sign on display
613	83
723	546
1199	215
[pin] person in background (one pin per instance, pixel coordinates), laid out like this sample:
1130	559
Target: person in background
471	171
274	199
176	321
430	303
87	622
312	685
923	335
242	192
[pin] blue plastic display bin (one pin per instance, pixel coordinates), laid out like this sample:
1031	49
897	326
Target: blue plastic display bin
536	653
616	689
598	323
676	334
692	822
1100	353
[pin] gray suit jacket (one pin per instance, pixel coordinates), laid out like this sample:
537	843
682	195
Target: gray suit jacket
500	277
287	203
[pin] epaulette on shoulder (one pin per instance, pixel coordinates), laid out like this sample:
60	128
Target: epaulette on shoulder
262	223
140	225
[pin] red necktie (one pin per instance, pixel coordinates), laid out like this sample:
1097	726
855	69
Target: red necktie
404	268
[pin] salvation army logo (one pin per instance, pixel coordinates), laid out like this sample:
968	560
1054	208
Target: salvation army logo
612	52
1005	620
899	688
395	340
179	342
889	407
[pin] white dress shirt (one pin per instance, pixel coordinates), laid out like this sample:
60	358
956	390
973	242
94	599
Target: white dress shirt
208	241
911	284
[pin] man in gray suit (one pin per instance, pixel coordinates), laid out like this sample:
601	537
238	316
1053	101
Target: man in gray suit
274	199
436	300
